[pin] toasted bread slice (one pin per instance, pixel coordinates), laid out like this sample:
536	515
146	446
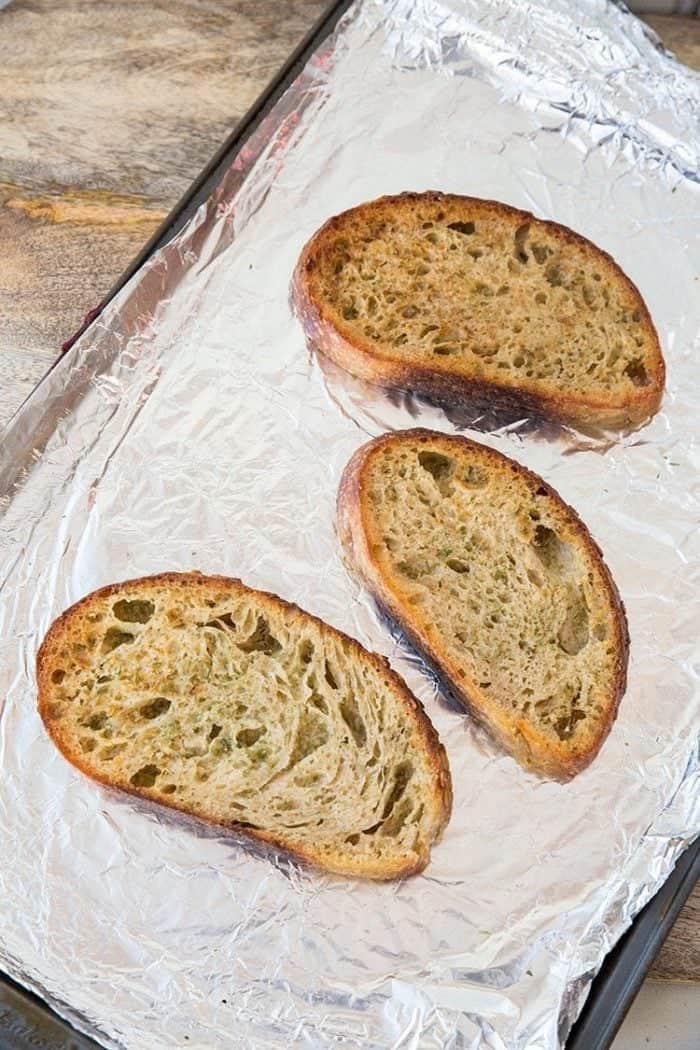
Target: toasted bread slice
498	583
466	300
237	708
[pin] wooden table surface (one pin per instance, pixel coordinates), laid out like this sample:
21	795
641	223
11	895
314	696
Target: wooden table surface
107	113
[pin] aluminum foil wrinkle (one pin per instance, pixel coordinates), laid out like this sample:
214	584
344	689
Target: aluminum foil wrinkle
191	428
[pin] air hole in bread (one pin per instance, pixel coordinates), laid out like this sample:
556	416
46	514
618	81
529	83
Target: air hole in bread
58	675
372	828
169	789
395	822
555	555
88	743
457	565
221	746
306	651
248	737
413	568
262	640
467	228
440	467
519	241
329	676
133	610
155	708
554	275
588	295
113	639
402	775
222	622
311	735
637	372
565	725
214	732
146	776
350	713
574	632
540	252
97	721
319	703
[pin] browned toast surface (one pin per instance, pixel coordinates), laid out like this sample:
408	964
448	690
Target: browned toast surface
498	583
237	708
463	299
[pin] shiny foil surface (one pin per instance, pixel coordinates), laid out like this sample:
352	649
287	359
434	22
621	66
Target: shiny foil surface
190	428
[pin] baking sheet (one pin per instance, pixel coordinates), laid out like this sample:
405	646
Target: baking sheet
191	429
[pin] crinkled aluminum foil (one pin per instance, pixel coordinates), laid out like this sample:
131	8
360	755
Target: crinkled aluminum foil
190	428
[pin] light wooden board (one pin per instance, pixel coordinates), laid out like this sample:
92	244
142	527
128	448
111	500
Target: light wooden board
107	113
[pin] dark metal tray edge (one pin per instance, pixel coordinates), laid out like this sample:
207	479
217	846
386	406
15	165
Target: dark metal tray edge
26	1021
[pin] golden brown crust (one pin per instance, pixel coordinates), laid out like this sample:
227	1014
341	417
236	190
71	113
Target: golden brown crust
515	735
359	356
442	801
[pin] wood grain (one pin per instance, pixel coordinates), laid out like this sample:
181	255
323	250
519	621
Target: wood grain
679	35
107	113
679	959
